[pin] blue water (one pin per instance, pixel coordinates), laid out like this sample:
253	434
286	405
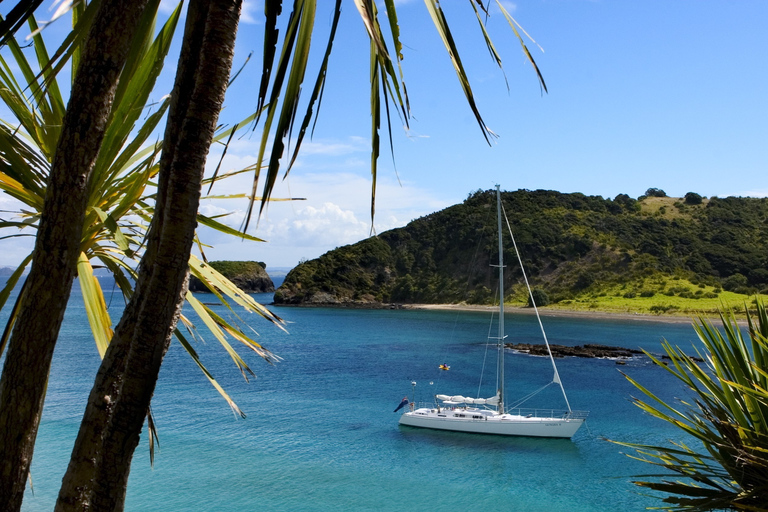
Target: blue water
320	432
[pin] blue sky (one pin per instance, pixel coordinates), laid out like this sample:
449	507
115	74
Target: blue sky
666	94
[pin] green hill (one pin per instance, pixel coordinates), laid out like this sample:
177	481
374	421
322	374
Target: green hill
575	248
249	276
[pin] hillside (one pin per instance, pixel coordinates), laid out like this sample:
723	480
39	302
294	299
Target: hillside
574	248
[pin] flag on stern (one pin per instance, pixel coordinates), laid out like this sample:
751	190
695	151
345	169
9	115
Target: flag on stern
403	403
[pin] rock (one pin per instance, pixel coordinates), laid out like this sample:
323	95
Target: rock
591	350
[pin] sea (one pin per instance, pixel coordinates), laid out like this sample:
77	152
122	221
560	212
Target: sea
320	432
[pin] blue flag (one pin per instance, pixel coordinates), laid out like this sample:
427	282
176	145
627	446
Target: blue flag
403	403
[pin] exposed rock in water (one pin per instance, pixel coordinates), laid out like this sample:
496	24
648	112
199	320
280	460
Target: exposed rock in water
592	350
589	350
249	276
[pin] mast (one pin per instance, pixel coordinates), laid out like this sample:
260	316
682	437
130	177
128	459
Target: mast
501	305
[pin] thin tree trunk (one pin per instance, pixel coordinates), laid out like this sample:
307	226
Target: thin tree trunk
27	364
97	474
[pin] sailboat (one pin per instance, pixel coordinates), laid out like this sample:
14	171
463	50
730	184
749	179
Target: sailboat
458	413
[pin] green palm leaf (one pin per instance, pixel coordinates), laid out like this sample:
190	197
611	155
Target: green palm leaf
441	24
95	305
728	419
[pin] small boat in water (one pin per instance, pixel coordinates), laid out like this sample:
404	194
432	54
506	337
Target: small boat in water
490	415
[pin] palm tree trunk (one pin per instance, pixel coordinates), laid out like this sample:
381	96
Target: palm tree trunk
109	433
27	364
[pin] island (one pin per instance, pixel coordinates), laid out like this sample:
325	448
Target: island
249	276
651	256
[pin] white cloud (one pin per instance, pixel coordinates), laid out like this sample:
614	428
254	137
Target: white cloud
250	11
14	248
750	193
333	177
336	212
355	145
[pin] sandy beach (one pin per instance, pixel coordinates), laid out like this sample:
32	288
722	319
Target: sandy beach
564	313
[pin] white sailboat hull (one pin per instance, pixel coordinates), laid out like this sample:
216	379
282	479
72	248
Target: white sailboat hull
481	421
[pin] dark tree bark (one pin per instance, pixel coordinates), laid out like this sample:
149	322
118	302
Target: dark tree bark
109	433
25	373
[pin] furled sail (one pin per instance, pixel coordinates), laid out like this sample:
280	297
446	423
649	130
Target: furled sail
458	399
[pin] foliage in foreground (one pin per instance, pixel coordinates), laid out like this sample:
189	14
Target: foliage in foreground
121	202
728	418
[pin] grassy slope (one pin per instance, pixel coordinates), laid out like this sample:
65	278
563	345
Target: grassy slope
613	300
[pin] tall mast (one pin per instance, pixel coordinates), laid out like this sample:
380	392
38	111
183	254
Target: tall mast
501	304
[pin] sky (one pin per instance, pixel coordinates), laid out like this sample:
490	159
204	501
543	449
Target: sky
655	94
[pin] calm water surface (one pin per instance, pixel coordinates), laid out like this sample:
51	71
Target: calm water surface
320	432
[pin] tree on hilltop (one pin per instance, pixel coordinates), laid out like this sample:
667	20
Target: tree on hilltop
693	198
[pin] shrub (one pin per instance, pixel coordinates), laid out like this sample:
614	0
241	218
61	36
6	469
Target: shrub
655	192
693	198
735	281
539	296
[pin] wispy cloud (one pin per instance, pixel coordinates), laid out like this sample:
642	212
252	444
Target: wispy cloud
249	12
336	212
760	192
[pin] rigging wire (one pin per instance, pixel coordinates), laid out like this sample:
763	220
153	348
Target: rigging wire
521	401
556	377
485	356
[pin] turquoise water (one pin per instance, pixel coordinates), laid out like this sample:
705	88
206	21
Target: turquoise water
321	435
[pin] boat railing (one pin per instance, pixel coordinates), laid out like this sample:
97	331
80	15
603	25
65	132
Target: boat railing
447	407
530	413
427	405
549	413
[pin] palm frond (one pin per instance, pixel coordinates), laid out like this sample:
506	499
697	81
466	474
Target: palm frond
19	13
729	419
291	69
441	24
95	305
